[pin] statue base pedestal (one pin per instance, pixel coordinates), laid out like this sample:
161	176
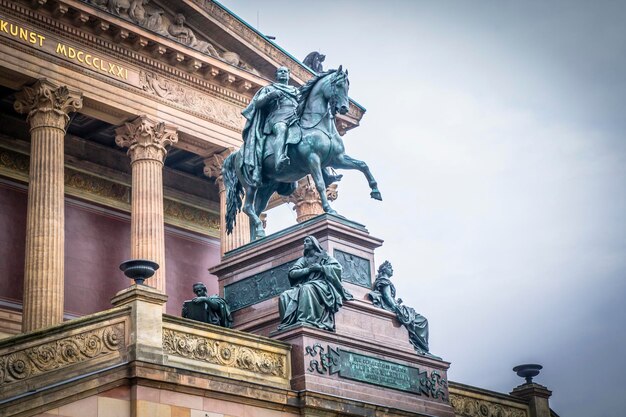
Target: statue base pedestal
343	366
369	358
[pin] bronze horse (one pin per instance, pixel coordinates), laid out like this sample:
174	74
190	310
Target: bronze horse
320	146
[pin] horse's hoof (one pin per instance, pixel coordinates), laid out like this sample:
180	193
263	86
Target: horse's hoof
331	211
376	195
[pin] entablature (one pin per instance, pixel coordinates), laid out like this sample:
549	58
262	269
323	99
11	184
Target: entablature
184	73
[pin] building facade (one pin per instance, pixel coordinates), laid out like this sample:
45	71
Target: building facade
115	119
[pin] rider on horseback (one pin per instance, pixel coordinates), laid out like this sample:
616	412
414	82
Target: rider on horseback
271	112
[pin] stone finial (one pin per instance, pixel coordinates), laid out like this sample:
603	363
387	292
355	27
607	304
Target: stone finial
146	138
47	104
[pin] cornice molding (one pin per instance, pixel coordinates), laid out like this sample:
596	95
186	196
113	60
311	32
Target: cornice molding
99	30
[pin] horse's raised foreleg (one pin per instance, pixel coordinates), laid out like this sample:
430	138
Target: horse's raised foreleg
316	172
347	162
256	226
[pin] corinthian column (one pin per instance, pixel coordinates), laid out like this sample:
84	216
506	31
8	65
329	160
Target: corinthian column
306	200
146	140
241	231
47	106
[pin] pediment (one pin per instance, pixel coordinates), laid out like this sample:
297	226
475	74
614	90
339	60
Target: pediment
207	27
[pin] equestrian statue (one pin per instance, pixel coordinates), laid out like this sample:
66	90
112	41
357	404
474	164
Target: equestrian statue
289	133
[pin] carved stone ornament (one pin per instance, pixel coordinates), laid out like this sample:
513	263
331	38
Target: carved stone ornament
217	111
250	35
97	186
47	104
216	352
472	407
149	16
189	214
146	139
213	166
58	354
306	200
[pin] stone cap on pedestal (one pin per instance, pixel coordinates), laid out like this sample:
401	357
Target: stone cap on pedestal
337	225
139	293
527	391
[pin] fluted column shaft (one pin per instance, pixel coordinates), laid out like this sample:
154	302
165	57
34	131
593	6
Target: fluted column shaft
146	140
241	231
47	106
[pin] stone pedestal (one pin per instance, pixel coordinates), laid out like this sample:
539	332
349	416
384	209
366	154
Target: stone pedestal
146	333
368	359
47	106
252	276
537	396
146	140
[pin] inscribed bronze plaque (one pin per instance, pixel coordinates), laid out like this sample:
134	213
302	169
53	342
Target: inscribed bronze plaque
370	370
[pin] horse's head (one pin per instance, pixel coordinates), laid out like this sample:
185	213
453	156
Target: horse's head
339	101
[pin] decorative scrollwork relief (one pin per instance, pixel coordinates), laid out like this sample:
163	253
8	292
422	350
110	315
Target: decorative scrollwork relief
177	211
223	353
97	186
217	111
58	354
14	161
472	407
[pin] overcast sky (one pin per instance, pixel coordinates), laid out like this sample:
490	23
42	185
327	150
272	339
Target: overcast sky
496	132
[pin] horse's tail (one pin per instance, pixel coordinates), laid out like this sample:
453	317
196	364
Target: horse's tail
234	191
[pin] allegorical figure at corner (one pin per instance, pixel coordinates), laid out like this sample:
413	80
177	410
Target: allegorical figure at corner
316	292
208	309
383	296
270	112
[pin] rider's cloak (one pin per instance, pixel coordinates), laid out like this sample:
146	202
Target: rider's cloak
257	127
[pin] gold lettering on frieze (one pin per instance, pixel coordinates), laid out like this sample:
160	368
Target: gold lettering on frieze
71	53
22	33
93	61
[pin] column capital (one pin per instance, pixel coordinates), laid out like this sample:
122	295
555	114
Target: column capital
47	104
213	166
146	138
306	200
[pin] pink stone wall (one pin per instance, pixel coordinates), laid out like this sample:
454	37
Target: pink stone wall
12	242
96	242
188	259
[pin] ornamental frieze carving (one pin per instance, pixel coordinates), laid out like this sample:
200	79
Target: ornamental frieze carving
217	111
181	212
472	407
14	161
222	353
97	186
58	354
